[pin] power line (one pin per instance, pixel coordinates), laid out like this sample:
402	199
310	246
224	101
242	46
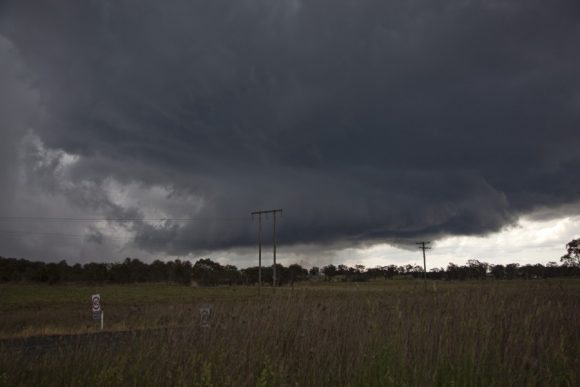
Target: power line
127	239
66	219
81	236
23	233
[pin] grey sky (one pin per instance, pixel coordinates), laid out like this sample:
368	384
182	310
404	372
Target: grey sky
368	121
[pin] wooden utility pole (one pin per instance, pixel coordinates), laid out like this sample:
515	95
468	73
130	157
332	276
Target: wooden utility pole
423	246
260	253
259	213
274	244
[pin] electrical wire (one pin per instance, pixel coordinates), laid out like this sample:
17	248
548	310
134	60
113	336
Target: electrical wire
63	219
24	233
135	238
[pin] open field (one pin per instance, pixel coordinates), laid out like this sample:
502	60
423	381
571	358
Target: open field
380	333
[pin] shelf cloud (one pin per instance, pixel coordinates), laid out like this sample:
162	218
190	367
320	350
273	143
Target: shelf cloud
366	121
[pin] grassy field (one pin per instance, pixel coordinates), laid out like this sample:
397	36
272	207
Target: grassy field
486	333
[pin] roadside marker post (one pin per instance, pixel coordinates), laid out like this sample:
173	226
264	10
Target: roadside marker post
205	315
98	313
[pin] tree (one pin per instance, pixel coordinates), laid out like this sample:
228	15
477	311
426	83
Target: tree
158	271
329	271
315	271
249	275
477	269
572	257
183	272
297	273
342	270
391	271
511	270
498	271
207	272
232	275
436	273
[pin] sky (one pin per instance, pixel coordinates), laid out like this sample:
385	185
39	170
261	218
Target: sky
153	129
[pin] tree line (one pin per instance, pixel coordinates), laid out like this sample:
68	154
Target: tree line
206	272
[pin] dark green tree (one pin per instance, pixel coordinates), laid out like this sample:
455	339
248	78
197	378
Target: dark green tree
314	272
498	271
329	271
572	256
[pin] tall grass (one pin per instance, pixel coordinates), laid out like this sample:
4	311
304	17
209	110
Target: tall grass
472	334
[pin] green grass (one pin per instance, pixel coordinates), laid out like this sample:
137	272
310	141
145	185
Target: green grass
32	295
31	309
385	333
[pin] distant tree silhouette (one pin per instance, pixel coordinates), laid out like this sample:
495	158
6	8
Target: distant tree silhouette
436	273
476	269
297	273
342	270
572	256
314	271
206	272
511	270
498	271
329	271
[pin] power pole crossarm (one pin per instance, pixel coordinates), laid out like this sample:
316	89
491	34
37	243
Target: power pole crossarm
279	210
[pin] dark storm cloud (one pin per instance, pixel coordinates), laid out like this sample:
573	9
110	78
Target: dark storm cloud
365	120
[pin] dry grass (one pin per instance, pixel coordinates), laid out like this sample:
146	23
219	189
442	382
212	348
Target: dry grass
386	333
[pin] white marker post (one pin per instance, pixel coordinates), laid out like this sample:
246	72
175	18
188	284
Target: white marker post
205	312
205	315
98	313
